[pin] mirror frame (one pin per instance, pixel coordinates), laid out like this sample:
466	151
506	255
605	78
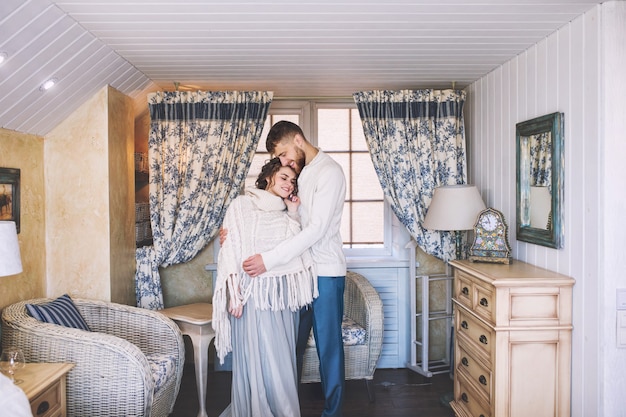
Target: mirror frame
552	237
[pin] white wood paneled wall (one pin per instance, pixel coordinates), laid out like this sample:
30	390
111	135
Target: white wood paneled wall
560	73
612	170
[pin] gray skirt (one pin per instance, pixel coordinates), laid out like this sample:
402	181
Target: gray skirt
264	380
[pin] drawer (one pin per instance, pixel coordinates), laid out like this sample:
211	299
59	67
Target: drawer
463	289
476	297
484	303
48	403
466	399
475	372
479	335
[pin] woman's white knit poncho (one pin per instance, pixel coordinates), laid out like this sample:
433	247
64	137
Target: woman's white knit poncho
256	222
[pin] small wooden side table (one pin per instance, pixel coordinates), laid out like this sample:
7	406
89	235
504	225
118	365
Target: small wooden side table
194	320
44	385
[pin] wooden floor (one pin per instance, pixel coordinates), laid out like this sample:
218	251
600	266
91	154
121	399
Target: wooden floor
399	393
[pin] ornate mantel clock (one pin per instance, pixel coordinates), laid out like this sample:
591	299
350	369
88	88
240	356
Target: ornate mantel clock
491	238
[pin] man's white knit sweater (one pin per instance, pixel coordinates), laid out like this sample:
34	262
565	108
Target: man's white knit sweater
322	190
258	221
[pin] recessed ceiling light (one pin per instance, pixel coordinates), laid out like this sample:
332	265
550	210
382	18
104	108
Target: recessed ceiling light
3	57
48	84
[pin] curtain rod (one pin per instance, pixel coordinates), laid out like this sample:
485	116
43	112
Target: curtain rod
314	98
329	97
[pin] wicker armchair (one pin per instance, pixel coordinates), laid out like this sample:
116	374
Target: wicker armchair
112	375
363	305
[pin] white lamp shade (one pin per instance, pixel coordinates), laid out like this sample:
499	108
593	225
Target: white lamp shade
10	261
454	207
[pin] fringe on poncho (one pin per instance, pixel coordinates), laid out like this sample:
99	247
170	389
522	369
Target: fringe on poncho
255	223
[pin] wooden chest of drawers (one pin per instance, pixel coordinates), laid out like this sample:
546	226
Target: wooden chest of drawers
512	336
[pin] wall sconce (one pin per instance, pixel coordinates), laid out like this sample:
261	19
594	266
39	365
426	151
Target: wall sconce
454	208
10	260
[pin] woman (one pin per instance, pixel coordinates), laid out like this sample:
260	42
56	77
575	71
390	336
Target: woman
262	328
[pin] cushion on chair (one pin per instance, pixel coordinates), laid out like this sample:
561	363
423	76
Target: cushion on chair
352	333
61	311
163	367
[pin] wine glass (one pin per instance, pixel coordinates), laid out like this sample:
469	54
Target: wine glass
11	360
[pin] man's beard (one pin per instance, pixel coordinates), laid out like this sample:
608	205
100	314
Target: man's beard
300	160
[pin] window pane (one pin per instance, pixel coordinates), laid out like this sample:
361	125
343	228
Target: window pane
255	168
345	223
343	159
367	221
333	129
358	137
364	179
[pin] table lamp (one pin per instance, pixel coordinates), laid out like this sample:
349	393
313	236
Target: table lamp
10	261
454	208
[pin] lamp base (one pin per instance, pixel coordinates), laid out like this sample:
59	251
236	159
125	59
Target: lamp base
459	244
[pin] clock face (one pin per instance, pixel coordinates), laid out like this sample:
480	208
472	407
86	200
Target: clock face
489	222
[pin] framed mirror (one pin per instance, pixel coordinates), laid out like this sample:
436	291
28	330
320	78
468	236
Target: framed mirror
539	180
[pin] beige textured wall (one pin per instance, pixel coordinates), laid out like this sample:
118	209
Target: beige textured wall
121	197
188	283
23	151
89	222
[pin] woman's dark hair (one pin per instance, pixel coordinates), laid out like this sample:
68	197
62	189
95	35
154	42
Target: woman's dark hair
268	170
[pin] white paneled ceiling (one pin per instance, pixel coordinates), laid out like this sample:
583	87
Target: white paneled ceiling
308	48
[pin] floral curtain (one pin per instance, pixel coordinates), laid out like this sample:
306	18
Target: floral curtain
541	160
416	139
200	148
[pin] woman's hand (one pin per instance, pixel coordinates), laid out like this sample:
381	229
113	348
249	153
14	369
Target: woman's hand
292	202
236	311
223	234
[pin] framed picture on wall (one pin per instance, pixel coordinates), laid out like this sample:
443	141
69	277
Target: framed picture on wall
10	195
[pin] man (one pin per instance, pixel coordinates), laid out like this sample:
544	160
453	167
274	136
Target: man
322	191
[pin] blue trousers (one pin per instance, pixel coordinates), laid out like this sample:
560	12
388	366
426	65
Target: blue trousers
325	317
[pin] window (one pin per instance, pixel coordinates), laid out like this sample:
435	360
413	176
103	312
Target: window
340	134
367	220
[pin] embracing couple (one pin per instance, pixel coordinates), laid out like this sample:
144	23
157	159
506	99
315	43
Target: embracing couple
280	272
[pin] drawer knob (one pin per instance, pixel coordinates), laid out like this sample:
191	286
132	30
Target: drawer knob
43	407
482	379
465	291
483	339
483	302
464	325
464	397
464	361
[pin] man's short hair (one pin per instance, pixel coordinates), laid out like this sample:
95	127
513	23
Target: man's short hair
280	131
